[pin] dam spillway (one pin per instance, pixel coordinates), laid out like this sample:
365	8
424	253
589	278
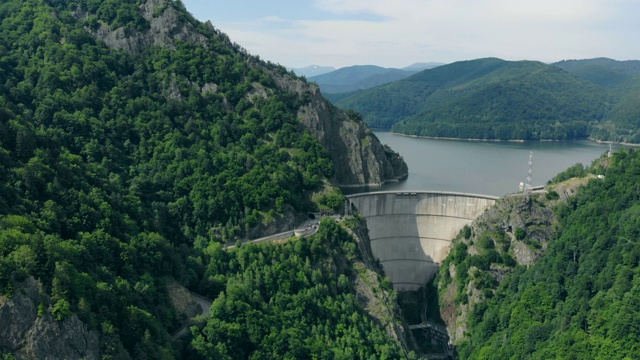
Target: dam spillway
411	231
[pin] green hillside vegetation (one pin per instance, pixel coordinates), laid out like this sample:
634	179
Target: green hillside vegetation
357	77
484	99
604	72
623	120
621	79
292	301
119	172
580	299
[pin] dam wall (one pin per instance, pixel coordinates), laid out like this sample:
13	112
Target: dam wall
410	232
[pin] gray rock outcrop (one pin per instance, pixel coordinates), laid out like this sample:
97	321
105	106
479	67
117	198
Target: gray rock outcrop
29	335
358	156
166	26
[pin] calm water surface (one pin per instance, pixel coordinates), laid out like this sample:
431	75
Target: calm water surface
491	168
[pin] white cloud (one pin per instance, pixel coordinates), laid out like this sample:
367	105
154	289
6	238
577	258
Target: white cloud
274	19
401	32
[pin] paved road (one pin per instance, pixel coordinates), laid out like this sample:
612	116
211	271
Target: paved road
290	233
205	307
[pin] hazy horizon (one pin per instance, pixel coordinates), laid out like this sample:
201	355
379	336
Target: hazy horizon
341	33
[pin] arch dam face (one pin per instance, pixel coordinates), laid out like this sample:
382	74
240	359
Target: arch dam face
410	232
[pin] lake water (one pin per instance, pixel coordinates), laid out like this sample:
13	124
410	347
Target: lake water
481	167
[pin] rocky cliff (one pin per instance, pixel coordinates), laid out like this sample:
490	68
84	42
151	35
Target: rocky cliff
515	231
359	157
28	330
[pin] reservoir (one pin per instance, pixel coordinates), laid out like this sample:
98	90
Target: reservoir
483	167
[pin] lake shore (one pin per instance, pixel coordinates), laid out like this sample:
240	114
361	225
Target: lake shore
483	167
513	140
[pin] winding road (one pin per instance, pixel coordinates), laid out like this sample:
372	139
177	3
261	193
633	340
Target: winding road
205	306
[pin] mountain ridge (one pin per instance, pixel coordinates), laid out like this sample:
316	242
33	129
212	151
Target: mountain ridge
357	77
313	70
360	77
485	99
161	34
135	142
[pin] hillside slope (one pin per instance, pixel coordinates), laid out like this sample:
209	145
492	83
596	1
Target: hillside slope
604	72
579	299
134	141
485	99
621	79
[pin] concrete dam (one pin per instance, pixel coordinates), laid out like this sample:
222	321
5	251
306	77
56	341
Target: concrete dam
411	232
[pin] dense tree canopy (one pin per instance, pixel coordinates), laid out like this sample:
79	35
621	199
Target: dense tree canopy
292	301
580	300
497	99
621	79
122	171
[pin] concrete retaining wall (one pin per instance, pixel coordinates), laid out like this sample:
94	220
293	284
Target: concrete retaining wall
411	232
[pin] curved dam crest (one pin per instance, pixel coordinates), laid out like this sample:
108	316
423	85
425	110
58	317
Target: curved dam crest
411	231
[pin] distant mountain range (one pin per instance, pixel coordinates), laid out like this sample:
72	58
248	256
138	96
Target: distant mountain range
422	66
497	99
312	70
358	77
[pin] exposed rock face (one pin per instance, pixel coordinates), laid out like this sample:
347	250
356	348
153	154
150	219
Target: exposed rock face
535	220
29	335
521	212
181	301
165	27
289	220
359	157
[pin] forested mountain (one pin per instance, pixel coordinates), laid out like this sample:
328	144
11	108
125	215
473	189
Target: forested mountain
497	99
604	72
357	78
134	141
579	299
484	99
621	79
422	66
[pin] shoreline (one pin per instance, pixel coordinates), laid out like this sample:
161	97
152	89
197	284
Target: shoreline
614	142
515	140
452	138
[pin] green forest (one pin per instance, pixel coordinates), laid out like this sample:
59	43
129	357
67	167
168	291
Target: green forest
507	100
291	301
120	172
580	299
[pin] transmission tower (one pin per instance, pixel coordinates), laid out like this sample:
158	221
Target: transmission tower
609	149
528	188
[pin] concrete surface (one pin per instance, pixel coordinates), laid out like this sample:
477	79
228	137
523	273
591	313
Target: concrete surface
411	232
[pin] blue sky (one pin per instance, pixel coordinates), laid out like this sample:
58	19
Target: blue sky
397	33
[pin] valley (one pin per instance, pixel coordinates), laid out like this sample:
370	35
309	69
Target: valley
152	172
